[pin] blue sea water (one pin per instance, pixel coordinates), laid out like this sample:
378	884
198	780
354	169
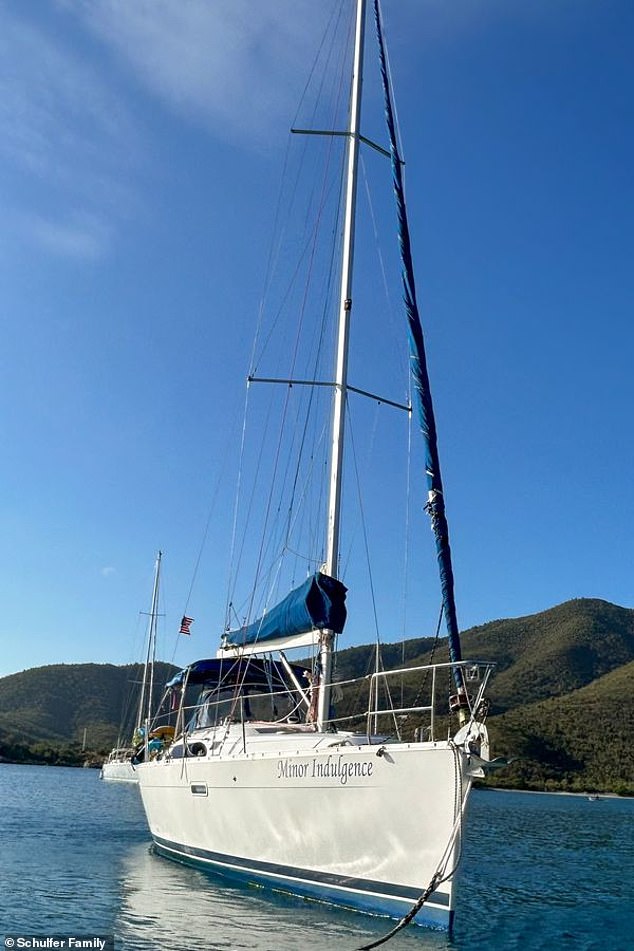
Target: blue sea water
538	872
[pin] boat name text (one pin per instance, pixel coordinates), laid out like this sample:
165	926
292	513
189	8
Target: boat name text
329	768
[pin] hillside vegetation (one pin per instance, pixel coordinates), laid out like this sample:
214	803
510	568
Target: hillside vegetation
45	712
578	742
561	703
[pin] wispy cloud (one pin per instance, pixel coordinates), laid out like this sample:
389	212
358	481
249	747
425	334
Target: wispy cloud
67	142
80	236
108	571
73	77
225	63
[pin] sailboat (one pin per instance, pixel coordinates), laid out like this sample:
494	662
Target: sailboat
120	765
273	776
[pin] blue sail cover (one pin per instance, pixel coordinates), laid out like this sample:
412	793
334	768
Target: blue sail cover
318	603
436	503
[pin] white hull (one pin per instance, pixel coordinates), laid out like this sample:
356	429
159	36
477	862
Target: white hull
121	772
361	826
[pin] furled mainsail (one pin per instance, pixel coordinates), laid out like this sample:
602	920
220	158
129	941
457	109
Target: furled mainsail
318	603
418	362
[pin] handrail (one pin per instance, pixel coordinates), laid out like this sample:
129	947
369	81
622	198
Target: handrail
465	665
408	670
369	712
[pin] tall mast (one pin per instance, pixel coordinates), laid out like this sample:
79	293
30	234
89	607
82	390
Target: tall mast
341	371
145	700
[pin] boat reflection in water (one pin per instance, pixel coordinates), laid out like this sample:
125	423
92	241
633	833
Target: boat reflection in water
163	905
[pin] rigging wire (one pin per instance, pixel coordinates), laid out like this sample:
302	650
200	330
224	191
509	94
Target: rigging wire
366	544
278	232
332	30
281	477
205	534
130	697
394	324
364	528
235	510
272	256
406	546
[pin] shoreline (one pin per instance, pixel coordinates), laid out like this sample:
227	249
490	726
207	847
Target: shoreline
555	792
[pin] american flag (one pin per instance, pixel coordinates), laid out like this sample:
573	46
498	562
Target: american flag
185	625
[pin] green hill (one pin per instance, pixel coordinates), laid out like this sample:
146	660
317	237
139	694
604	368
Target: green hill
555	652
560	704
560	699
52	706
579	741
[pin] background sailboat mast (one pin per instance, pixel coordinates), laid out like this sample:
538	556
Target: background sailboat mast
145	700
341	371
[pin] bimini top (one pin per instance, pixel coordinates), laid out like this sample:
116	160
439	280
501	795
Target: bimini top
242	672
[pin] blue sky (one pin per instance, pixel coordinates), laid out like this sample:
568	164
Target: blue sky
140	161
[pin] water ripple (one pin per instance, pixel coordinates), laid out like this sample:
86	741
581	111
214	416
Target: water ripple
538	872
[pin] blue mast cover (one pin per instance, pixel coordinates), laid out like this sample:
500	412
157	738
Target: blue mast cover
318	603
436	502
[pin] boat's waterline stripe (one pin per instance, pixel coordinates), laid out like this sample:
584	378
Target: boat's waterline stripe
308	876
